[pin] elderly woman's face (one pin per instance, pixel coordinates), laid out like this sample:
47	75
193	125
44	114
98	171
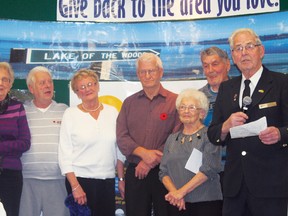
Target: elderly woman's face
189	111
87	88
5	83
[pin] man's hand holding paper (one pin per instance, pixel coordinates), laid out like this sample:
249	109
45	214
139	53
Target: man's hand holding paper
249	129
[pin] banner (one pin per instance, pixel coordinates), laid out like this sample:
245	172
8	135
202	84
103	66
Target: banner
158	10
112	48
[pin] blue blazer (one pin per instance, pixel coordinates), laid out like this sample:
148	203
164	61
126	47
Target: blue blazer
264	168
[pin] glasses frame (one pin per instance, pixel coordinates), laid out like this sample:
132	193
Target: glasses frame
45	82
5	80
248	47
191	108
87	86
151	72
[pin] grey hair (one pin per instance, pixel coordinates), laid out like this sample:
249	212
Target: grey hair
197	95
83	73
214	51
243	30
6	66
149	57
31	75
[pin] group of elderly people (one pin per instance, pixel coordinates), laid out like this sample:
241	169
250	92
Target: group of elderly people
175	150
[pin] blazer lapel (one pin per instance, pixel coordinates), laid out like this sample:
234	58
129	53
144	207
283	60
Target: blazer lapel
263	87
235	90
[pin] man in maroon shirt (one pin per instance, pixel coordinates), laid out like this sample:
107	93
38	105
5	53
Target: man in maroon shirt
144	122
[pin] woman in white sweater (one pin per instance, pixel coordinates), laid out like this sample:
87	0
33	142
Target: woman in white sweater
88	153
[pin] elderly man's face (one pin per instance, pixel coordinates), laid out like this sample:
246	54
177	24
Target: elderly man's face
149	74
247	60
216	70
43	87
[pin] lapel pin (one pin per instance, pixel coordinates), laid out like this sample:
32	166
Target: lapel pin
235	97
261	91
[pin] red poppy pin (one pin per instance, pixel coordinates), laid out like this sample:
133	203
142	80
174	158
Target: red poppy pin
163	116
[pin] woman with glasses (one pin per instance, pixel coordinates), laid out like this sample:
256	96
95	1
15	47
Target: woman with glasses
190	164
14	140
88	153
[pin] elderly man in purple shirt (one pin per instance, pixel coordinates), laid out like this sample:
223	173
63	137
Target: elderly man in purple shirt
144	122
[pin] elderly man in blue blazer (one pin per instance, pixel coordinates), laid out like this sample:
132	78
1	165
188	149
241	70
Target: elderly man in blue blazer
256	169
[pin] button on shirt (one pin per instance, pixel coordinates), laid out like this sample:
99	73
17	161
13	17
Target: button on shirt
243	153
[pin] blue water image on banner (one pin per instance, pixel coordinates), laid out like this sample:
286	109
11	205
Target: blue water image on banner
113	47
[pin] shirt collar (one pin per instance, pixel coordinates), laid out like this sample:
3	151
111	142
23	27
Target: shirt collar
162	92
255	78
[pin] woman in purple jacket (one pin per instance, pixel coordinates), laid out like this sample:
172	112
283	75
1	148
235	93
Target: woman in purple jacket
14	140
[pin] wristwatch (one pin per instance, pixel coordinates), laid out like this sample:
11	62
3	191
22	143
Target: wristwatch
121	179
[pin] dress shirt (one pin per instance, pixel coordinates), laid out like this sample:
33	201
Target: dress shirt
144	122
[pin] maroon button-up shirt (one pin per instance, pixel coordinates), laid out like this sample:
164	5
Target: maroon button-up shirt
147	123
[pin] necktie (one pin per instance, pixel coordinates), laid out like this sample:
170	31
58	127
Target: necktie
246	91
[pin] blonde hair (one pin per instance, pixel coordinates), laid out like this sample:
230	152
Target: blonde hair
6	66
83	73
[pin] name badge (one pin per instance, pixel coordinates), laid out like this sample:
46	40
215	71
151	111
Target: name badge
267	105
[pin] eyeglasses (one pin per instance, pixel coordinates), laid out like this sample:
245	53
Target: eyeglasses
5	80
84	87
248	47
190	108
151	72
45	82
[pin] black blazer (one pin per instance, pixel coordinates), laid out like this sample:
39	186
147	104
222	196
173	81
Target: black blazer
263	167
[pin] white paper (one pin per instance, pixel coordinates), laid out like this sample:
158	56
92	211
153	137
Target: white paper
2	210
249	129
195	161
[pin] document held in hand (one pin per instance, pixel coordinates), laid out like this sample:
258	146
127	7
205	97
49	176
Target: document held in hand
249	129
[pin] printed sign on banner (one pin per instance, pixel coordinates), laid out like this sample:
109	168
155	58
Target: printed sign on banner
158	10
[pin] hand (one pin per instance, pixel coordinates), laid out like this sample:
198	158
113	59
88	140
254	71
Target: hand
181	204
152	157
121	188
174	197
270	135
142	170
235	119
79	196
